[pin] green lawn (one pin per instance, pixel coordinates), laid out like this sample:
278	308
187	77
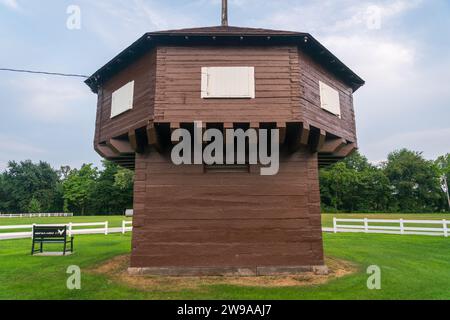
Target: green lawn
413	267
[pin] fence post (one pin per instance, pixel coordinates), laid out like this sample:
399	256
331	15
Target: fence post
445	228
106	228
335	229
123	226
366	225
402	227
70	229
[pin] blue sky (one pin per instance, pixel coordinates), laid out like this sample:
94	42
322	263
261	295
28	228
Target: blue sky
400	47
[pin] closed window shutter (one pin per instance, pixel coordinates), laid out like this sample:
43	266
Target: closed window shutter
329	99
122	99
228	82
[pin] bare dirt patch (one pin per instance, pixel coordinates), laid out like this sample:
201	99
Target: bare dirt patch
116	269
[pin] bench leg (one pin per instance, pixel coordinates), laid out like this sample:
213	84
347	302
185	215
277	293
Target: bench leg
65	246
42	247
71	245
32	249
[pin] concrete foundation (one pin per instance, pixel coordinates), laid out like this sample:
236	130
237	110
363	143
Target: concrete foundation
239	272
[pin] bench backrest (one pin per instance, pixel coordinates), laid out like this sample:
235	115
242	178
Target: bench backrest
50	232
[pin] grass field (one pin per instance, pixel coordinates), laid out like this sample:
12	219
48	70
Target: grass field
413	267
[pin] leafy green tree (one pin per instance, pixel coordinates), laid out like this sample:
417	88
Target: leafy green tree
124	179
26	180
64	172
354	185
34	206
443	165
114	189
79	188
415	182
3	194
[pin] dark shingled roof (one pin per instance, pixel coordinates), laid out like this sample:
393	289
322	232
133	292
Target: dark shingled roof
226	35
229	30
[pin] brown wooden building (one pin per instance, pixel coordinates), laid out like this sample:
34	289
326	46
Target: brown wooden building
193	219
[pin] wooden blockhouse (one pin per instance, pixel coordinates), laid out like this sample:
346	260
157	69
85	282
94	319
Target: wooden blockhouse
190	219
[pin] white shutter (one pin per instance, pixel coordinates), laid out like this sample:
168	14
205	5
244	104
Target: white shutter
122	99
329	99
228	82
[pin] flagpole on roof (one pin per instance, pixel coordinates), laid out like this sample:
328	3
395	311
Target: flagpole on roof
224	13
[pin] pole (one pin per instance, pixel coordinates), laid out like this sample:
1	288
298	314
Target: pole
224	13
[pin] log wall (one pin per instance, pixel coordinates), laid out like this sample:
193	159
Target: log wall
178	86
185	217
143	72
168	90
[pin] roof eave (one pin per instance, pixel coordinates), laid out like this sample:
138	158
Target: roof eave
150	39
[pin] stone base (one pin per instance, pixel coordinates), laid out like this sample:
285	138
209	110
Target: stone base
228	272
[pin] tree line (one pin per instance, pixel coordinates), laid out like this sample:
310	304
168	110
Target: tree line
406	182
27	187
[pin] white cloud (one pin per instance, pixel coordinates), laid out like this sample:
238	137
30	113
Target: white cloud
117	23
12	4
379	60
327	17
406	91
362	14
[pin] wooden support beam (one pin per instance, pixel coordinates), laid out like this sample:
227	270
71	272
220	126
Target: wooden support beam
281	126
319	141
227	125
333	145
305	131
135	141
174	126
346	150
254	125
120	146
105	151
153	137
298	135
199	129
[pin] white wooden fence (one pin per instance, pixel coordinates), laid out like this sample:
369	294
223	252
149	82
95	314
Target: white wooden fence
35	215
400	226
125	227
73	229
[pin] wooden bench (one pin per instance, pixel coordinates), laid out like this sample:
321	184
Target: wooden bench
51	234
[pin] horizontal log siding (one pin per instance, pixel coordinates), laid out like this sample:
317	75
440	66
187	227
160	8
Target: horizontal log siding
310	75
143	72
187	218
168	83
178	85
